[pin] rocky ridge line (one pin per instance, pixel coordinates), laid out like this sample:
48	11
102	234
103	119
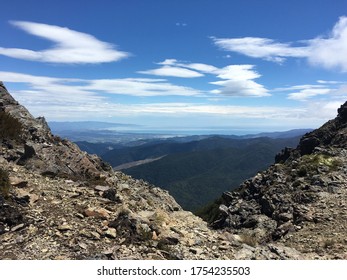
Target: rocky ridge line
300	201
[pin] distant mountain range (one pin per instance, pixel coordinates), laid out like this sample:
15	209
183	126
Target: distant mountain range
134	135
195	169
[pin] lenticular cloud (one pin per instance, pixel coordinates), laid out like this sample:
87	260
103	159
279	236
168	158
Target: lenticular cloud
70	46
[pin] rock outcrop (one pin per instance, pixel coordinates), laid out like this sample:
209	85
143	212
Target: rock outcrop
41	151
301	200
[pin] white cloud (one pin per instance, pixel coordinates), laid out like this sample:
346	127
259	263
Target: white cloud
329	82
261	48
237	72
205	68
127	86
169	61
237	80
308	93
298	87
244	88
321	91
70	46
200	67
234	80
329	52
324	109
173	72
140	87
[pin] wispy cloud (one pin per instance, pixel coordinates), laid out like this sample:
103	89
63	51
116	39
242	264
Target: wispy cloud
328	89
173	72
327	52
234	80
70	46
305	94
329	82
126	86
141	87
261	48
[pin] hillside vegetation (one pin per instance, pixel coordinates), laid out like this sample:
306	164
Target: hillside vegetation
209	167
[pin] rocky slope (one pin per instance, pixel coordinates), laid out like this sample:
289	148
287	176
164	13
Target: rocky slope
301	201
57	202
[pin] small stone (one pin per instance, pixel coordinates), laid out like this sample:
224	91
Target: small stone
79	215
224	209
75	195
196	251
85	233
123	187
22	193
17	182
111	233
190	242
83	245
95	235
64	227
101	188
154	236
97	212
27	197
33	198
107	252
18	227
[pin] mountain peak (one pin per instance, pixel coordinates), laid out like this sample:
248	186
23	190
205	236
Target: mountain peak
6	98
38	149
332	133
342	112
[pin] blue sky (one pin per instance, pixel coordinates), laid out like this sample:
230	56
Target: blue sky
238	66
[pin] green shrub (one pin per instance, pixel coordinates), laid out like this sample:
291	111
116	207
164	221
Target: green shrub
4	183
310	163
10	127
